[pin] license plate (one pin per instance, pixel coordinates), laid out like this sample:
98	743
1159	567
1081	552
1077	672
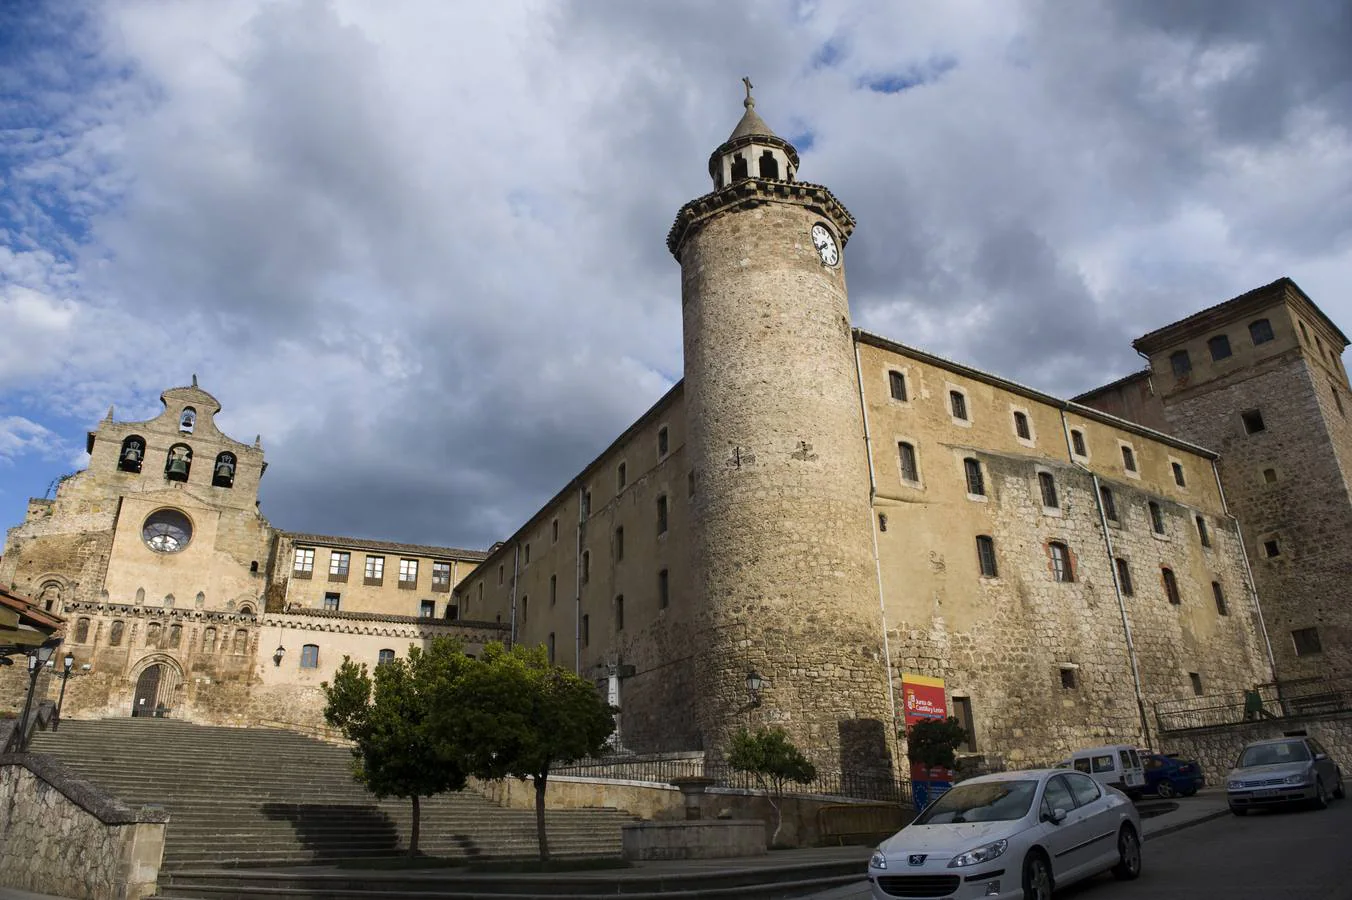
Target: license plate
1266	793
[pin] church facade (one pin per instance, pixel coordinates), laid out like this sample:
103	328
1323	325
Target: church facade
811	516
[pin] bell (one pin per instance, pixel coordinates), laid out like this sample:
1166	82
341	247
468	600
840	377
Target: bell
178	466
224	470
132	454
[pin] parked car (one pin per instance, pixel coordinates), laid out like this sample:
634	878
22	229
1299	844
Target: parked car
1169	776
1010	835
1116	766
1281	771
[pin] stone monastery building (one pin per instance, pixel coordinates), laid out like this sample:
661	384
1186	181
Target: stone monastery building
824	507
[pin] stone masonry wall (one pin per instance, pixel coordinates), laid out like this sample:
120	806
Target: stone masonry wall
1216	749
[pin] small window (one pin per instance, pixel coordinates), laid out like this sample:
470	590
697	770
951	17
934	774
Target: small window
663	589
1260	331
1271	548
408	573
309	656
690	483
1253	421
502	572
1337	401
619	612
662	514
1068	680
525	555
882	521
550	645
663	443
115	634
910	470
1219	347
1180	362
586	630
1047	484
223	473
427	609
375	569
619	544
441	576
586	566
985	556
553	589
1109	503
958	403
1307	641
1021	426
1178	475
385	656
305	562
1202	533
339	563
1128	458
332	600
897	382
1077	442
1170	585
1124	578
1270	476
1062	568
1156	518
1196	680
962	711
554	531
976	484
621	476
1222	607
525	607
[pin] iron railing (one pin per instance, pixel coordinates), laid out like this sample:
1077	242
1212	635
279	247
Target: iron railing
1274	700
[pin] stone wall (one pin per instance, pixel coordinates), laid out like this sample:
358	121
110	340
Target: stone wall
62	835
1216	749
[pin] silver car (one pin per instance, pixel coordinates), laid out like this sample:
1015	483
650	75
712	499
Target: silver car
1280	771
1011	836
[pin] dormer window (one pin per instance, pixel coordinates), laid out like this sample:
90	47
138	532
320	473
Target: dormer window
133	451
178	462
223	475
188	420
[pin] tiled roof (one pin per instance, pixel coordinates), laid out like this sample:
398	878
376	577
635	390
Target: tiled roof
386	546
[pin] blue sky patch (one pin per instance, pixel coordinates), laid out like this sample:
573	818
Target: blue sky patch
913	77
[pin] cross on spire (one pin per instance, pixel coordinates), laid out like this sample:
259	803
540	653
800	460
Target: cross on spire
749	101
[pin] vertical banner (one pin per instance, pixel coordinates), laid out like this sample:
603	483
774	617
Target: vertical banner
924	700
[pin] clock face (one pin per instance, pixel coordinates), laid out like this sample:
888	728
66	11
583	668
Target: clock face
166	531
825	243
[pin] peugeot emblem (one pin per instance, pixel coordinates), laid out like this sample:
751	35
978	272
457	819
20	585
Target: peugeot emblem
916	859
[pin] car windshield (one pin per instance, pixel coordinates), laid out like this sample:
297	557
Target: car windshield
1273	754
990	801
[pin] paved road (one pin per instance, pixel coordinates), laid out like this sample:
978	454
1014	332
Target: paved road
1296	855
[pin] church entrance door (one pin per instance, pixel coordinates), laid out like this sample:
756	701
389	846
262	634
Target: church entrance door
145	702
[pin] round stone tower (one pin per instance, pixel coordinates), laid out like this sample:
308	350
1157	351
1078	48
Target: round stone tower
782	565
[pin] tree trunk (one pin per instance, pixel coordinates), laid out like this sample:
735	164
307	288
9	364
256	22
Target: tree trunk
776	805
540	781
413	832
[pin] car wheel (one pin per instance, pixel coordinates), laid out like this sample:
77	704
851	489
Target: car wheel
1239	812
1321	797
1338	792
1165	789
1037	878
1129	855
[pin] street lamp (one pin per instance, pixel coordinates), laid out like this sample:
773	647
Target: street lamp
278	654
37	658
754	683
66	665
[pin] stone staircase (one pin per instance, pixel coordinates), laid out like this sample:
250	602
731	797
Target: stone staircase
259	797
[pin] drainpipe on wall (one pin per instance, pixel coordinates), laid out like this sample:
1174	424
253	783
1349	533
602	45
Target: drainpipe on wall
516	561
1117	586
1248	573
873	530
577	587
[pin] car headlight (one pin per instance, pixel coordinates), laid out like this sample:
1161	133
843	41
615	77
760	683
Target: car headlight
1297	779
1234	785
878	860
978	855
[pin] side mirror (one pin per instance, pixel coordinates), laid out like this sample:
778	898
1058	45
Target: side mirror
1056	816
1320	757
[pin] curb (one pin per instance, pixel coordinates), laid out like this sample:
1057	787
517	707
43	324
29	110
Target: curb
1179	826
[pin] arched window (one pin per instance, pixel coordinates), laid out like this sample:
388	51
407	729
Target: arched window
223	473
1170	585
384	657
246	610
140	596
175	636
769	166
209	640
739	167
200	600
1062	568
115	634
50	596
188	420
241	643
178	462
82	631
133	451
153	634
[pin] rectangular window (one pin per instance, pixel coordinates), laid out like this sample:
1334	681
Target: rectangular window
554	532
619	613
309	656
897	381
1222	607
619	544
427	609
1047	484
375	569
962	711
408	573
501	573
441	577
1307	641
1271	548
910	471
339	563
621	476
384	656
1180	362
1171	586
1128	458
586	566
305	562
1253	421
586	505
958	403
1077	443
663	444
1068	679
1021	426
553	589
1062	569
525	607
976	484
1156	517
1202	533
586	631
1124	578
525	555
985	556
551	648
331	600
662	514
1219	347
1260	331
1196	680
1109	504
663	589
1178	475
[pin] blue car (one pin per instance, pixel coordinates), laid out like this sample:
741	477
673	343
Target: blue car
1168	776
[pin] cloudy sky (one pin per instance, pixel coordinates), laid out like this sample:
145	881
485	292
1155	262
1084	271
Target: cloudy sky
419	245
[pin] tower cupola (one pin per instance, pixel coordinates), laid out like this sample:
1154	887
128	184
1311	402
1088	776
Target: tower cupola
752	151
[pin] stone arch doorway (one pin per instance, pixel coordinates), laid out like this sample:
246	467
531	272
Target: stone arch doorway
156	689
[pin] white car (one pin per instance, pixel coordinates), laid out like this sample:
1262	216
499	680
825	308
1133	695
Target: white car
1014	836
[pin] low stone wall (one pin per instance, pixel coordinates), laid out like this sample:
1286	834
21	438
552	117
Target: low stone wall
62	835
704	839
1217	748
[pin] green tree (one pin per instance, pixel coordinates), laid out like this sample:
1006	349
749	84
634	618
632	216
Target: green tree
774	761
931	742
517	715
389	716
